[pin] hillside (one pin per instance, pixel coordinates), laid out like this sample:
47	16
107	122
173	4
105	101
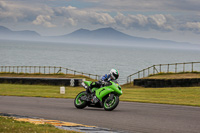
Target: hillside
6	33
110	36
174	76
106	36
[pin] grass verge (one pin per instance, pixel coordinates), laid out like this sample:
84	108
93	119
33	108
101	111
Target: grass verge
175	95
39	75
38	91
9	125
171	75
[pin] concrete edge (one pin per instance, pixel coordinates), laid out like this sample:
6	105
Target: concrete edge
60	124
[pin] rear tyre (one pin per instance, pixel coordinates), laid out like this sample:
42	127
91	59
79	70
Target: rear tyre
80	104
109	106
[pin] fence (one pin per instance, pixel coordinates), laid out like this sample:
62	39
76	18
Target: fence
44	70
165	68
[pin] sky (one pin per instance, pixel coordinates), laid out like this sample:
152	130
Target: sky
177	20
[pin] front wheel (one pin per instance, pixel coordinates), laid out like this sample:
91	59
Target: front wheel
109	106
80	104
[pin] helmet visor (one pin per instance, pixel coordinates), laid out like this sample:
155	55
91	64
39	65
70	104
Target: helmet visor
115	76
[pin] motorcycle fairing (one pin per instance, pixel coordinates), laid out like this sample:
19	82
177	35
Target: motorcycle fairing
101	92
88	83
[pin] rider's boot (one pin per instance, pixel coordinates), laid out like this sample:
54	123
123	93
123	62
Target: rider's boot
89	88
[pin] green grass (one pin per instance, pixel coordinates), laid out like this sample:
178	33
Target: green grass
9	125
175	95
172	75
39	75
38	91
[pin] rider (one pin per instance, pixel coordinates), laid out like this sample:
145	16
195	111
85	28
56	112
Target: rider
113	75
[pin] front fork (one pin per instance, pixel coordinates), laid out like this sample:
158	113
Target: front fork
110	98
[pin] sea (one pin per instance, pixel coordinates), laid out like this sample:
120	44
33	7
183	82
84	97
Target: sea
94	59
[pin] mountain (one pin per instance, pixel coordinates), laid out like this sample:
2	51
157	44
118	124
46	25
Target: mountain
106	36
111	36
4	30
6	33
99	34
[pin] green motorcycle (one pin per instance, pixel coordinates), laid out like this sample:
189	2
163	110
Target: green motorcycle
106	97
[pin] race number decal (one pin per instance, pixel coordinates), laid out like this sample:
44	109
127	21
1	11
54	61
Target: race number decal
72	82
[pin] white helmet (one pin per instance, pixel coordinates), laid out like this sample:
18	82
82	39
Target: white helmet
114	74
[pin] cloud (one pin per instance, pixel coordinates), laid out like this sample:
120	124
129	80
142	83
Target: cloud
161	22
131	20
48	16
70	21
3	6
157	21
9	12
81	16
191	26
101	18
17	12
43	20
144	5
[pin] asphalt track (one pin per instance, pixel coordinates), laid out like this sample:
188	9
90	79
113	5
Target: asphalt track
128	116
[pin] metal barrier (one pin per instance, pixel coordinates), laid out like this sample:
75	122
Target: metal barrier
165	68
44	70
45	81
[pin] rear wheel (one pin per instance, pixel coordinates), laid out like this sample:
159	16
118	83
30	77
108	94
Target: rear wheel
109	106
80	104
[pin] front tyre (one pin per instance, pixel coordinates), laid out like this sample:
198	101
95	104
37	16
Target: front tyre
80	104
109	106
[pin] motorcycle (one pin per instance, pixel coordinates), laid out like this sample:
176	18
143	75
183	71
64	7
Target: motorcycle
107	96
